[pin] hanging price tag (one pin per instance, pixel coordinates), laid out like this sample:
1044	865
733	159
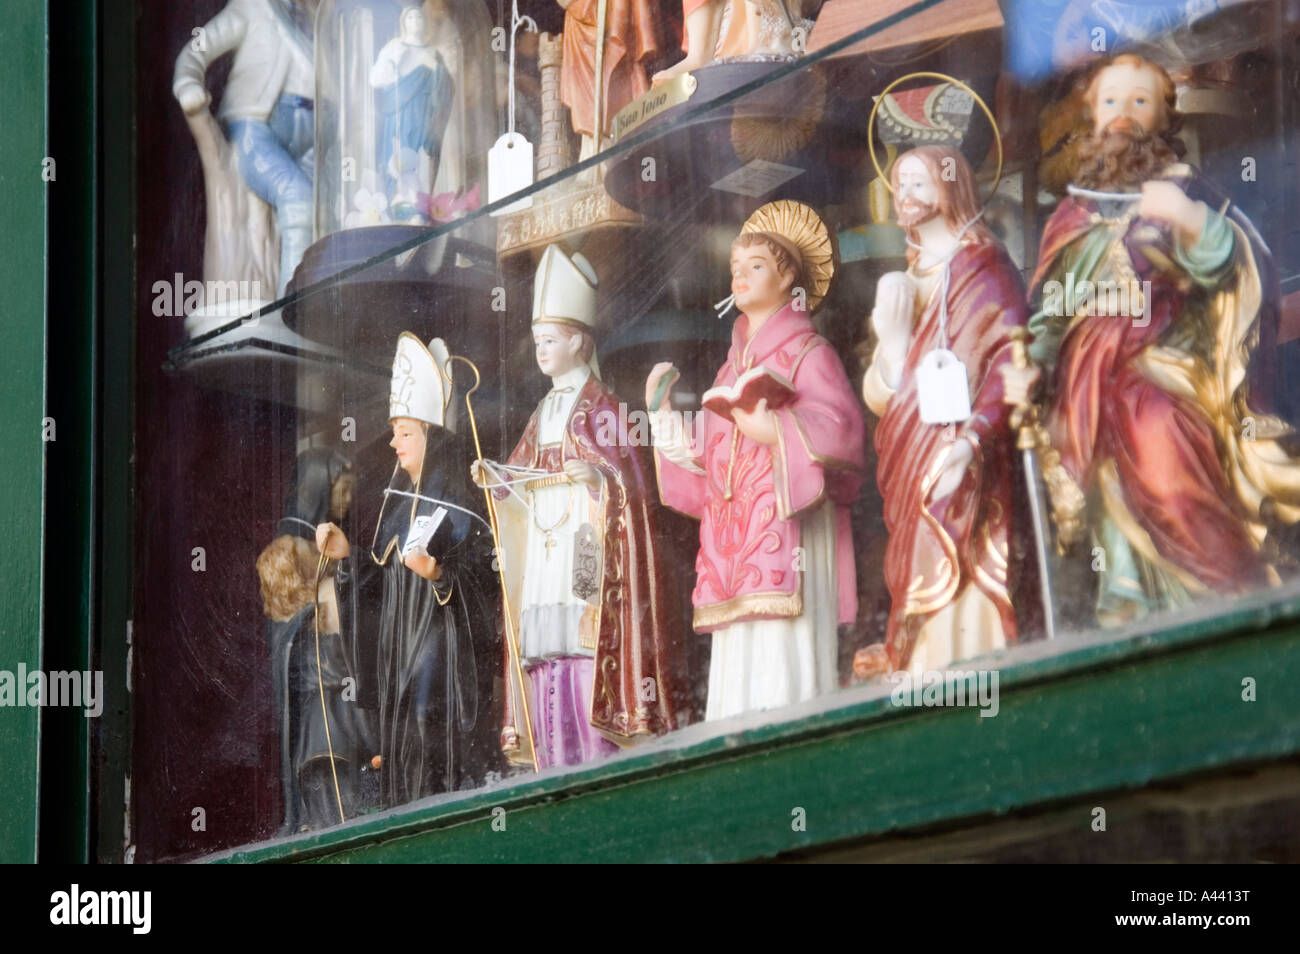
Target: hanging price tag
942	389
510	168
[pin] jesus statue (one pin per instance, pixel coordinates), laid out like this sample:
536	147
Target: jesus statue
946	484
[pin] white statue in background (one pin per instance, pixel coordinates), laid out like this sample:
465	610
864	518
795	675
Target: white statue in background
259	148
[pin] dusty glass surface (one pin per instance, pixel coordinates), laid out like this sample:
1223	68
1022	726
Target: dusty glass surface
439	487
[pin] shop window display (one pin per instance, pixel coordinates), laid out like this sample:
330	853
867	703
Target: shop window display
836	341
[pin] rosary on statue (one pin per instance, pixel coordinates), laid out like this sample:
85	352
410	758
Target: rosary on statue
550	543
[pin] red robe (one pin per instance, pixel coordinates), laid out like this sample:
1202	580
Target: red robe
1166	451
639	636
937	548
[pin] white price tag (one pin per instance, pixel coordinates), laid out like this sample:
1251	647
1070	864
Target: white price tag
942	389
422	530
510	168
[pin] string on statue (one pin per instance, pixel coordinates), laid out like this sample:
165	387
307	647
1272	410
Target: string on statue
946	274
529	24
436	501
301	522
1083	193
521	475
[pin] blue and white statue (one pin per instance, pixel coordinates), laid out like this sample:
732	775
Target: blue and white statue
415	92
267	121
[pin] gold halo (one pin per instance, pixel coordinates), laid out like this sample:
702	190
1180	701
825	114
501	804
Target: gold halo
804	228
997	133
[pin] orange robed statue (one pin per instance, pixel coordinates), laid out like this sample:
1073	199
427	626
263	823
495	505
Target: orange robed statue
630	37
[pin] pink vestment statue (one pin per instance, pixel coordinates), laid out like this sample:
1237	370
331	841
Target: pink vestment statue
775	570
749	507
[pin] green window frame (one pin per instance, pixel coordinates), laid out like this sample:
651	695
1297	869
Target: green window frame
22	363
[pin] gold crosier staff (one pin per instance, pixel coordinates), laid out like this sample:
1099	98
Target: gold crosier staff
320	683
511	640
599	93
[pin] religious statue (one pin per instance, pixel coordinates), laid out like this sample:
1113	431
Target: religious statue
1149	295
435	621
324	734
717	29
416	94
630	37
599	650
944	472
770	469
267	115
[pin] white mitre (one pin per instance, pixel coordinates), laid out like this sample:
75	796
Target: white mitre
564	292
422	385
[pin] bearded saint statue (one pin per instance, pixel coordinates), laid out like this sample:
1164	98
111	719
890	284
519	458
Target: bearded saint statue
1150	297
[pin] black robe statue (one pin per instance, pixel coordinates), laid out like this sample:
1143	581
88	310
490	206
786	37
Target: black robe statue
310	798
436	641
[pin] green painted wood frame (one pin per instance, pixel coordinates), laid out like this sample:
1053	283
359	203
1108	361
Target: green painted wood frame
1107	714
74	400
23	148
49	373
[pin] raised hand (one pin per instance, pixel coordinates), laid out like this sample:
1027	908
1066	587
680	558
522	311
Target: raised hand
891	320
652	382
1166	202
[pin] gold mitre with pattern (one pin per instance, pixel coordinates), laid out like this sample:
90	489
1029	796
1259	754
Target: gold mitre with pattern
565	290
802	233
422	386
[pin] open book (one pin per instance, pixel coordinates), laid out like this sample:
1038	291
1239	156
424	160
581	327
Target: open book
750	388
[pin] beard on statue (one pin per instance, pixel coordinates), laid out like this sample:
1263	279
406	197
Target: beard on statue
914	212
1123	156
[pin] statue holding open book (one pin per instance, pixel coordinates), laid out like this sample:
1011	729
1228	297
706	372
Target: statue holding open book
772	465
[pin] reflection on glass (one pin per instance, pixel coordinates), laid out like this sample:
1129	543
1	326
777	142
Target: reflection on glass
406	111
545	625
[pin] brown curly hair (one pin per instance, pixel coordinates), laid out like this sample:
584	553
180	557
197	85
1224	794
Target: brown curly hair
287	569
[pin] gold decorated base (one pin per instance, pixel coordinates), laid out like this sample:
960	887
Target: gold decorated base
560	213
